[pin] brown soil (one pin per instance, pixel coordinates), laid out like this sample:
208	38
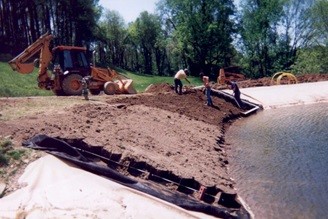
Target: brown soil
267	81
177	133
170	132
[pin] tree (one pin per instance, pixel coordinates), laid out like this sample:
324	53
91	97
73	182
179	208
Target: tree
296	23
259	35
114	32
312	56
73	22
319	20
85	16
311	60
202	30
146	29
294	31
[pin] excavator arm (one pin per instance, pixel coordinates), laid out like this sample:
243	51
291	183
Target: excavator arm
39	46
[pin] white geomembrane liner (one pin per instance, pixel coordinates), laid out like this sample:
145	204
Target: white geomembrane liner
53	188
286	95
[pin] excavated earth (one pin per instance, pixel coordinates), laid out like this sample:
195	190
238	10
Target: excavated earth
169	133
176	133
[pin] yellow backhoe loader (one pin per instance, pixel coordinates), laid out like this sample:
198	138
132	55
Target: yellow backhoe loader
69	67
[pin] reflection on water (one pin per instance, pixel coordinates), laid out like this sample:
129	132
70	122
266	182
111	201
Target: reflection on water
279	160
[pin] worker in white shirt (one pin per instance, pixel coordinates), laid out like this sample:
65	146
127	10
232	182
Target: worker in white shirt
181	74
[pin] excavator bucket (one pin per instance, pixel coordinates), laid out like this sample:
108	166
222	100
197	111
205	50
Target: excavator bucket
20	63
23	68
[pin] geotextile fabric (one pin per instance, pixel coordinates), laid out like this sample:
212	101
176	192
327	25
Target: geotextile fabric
65	151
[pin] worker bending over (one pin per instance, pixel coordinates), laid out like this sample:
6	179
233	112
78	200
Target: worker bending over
181	74
236	92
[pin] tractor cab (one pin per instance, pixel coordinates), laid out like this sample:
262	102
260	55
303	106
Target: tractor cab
71	59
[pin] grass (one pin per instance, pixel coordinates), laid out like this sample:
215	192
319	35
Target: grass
141	82
8	152
14	84
12	161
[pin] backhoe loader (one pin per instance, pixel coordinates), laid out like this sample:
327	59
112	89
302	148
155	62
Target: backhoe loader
69	67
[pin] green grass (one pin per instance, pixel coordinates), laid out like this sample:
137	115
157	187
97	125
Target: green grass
14	84
8	152
141	82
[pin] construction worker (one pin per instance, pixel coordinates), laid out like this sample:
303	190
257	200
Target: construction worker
208	90
181	74
236	92
85	87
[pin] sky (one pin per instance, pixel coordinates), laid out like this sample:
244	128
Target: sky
129	9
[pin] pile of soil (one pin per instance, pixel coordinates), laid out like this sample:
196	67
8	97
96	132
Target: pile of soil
159	88
170	132
179	134
267	81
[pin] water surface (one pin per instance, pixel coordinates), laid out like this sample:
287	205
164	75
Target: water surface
279	159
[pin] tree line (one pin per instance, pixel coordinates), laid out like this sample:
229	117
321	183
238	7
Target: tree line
259	36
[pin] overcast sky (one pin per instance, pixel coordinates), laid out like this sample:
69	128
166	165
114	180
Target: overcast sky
129	9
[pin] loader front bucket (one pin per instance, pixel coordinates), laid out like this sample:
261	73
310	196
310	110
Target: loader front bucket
126	87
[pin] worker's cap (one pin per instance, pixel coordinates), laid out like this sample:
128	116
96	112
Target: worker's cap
186	70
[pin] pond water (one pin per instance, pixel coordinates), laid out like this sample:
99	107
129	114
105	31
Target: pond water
279	160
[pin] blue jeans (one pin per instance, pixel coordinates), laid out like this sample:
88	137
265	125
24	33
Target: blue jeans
240	102
208	96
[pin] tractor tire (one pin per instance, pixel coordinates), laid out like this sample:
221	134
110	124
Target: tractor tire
94	91
110	87
72	85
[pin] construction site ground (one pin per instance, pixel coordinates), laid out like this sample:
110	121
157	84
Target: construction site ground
169	132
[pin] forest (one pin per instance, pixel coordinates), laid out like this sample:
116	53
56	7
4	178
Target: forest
257	37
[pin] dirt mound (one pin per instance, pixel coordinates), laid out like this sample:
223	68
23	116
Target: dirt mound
191	104
159	88
167	131
312	78
267	81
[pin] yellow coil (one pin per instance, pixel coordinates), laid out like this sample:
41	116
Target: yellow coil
276	78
